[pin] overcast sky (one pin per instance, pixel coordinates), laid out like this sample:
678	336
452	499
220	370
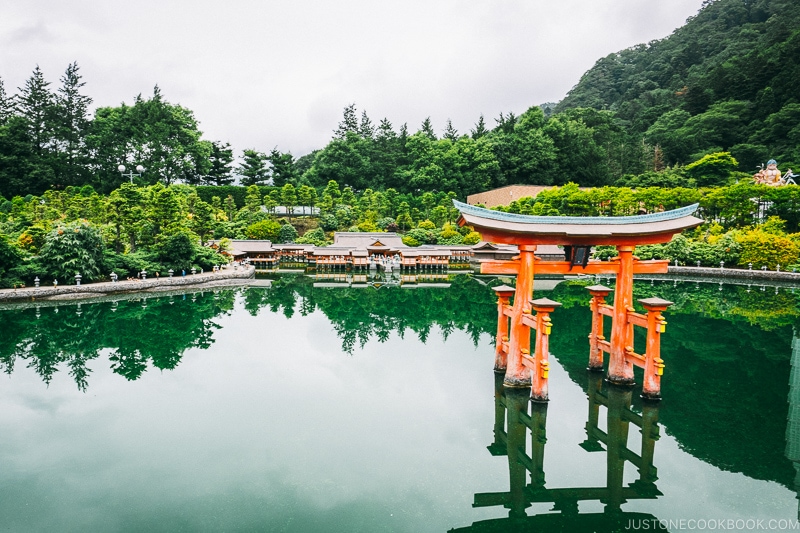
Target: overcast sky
279	73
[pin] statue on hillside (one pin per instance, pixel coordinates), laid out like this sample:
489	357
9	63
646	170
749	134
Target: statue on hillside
770	175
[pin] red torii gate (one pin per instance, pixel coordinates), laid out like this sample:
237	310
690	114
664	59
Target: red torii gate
577	235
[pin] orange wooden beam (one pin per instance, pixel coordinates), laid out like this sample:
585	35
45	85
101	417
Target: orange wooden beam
506	268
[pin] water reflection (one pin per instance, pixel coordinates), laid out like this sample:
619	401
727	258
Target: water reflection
516	417
134	331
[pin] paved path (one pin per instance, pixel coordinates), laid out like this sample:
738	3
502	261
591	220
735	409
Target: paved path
91	290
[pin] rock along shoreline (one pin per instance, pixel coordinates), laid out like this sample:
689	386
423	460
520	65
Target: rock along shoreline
226	276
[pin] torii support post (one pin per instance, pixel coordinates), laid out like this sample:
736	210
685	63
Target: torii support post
504	294
597	341
539	363
620	369
653	364
519	343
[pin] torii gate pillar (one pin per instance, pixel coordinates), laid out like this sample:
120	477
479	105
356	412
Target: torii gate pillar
517	374
620	369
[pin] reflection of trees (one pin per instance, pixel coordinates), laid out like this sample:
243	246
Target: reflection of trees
360	314
719	366
137	332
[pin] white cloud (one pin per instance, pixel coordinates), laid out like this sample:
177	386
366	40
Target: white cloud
266	74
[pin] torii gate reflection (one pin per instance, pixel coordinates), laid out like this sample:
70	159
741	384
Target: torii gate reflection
516	416
577	235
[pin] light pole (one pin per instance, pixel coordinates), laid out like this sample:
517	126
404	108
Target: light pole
131	174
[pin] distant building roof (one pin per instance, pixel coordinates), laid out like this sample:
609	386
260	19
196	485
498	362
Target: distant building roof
506	195
364	240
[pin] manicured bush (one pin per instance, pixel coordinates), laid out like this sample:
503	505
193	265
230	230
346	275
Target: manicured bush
287	233
267	229
70	249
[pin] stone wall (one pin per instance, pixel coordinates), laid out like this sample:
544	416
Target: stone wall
89	290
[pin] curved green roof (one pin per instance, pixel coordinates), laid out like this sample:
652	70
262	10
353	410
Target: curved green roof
532	219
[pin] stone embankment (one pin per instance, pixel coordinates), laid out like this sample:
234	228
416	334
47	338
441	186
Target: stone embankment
738	273
225	276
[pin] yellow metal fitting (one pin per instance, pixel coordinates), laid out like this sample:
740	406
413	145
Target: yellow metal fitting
547	330
525	351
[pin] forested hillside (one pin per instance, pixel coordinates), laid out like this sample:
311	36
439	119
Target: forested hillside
725	86
729	80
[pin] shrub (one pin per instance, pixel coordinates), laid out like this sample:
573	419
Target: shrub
328	222
367	226
423	236
473	237
315	236
74	248
287	233
176	251
767	249
427	224
264	230
385	222
410	241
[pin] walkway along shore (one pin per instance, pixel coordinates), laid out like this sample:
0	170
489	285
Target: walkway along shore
231	276
92	290
739	273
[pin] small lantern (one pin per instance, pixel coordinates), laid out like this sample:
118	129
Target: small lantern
698	263
722	264
113	277
194	270
36	282
144	274
78	279
170	272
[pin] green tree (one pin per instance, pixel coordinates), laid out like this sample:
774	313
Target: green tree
70	126
253	169
73	248
712	169
221	164
283	170
267	229
289	197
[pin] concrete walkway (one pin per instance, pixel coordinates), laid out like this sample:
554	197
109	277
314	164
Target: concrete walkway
92	290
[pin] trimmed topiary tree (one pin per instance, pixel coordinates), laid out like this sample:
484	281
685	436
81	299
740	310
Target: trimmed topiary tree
74	248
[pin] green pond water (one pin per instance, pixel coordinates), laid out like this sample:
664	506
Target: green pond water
314	408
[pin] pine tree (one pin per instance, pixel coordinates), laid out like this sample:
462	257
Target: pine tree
366	129
283	171
427	129
71	123
349	123
7	105
221	162
36	106
253	169
450	132
480	129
